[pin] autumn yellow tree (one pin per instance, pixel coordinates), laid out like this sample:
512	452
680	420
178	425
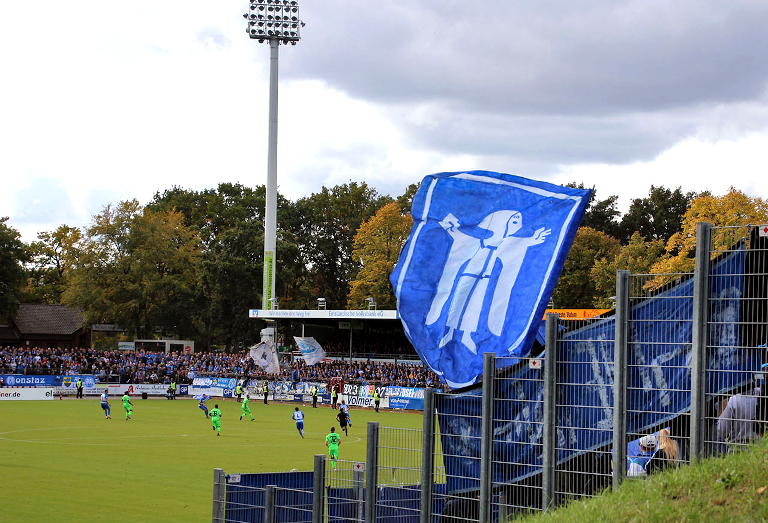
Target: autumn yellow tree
376	248
730	210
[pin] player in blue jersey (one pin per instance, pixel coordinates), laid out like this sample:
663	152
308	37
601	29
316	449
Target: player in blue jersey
105	405
201	404
299	417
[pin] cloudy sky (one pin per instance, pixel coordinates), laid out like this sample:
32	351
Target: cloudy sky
107	101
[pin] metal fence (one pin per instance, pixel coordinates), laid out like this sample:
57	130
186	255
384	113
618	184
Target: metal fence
671	376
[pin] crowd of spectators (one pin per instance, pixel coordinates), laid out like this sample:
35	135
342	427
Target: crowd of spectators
144	366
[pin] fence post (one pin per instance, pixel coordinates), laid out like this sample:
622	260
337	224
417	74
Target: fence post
318	489
427	457
620	349
269	504
699	339
371	471
219	495
486	437
549	457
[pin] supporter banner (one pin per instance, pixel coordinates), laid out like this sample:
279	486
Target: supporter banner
265	355
479	238
311	351
658	382
28	394
49	380
324	314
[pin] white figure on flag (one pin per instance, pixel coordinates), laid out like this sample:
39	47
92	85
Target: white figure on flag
469	268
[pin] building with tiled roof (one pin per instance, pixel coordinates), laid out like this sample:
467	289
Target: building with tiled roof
45	326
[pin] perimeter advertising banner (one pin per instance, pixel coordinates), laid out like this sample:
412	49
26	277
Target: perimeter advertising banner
48	380
27	394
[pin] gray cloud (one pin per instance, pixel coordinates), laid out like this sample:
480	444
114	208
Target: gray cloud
548	82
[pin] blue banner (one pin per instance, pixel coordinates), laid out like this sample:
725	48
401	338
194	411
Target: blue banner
658	382
48	380
480	265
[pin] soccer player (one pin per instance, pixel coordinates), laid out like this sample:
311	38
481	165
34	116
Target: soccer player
344	407
342	419
332	441
299	417
105	405
215	415
128	406
201	404
245	408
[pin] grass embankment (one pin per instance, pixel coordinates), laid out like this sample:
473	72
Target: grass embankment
727	488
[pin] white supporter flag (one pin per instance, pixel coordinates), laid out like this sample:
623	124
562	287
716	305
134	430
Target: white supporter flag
311	351
265	355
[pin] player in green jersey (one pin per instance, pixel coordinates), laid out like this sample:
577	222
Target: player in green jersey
332	441
245	408
215	414
128	406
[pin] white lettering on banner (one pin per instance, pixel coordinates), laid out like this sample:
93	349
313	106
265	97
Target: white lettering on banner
28	394
360	402
324	314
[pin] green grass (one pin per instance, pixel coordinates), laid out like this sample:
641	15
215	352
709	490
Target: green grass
62	461
727	488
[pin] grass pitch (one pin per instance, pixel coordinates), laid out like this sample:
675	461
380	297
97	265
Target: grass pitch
62	461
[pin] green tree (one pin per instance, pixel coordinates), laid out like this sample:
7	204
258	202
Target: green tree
658	216
406	199
137	269
52	258
576	289
638	257
601	215
331	219
377	247
13	255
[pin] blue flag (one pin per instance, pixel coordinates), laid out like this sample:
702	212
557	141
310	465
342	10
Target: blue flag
480	265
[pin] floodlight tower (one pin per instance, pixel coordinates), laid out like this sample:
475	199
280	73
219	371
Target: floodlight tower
276	22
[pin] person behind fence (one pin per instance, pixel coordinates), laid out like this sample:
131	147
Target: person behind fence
667	454
298	416
638	461
737	422
332	441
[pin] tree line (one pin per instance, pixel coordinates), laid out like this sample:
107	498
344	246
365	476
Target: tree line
189	263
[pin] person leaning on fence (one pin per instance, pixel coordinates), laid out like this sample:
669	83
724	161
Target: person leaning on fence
636	464
737	422
667	453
